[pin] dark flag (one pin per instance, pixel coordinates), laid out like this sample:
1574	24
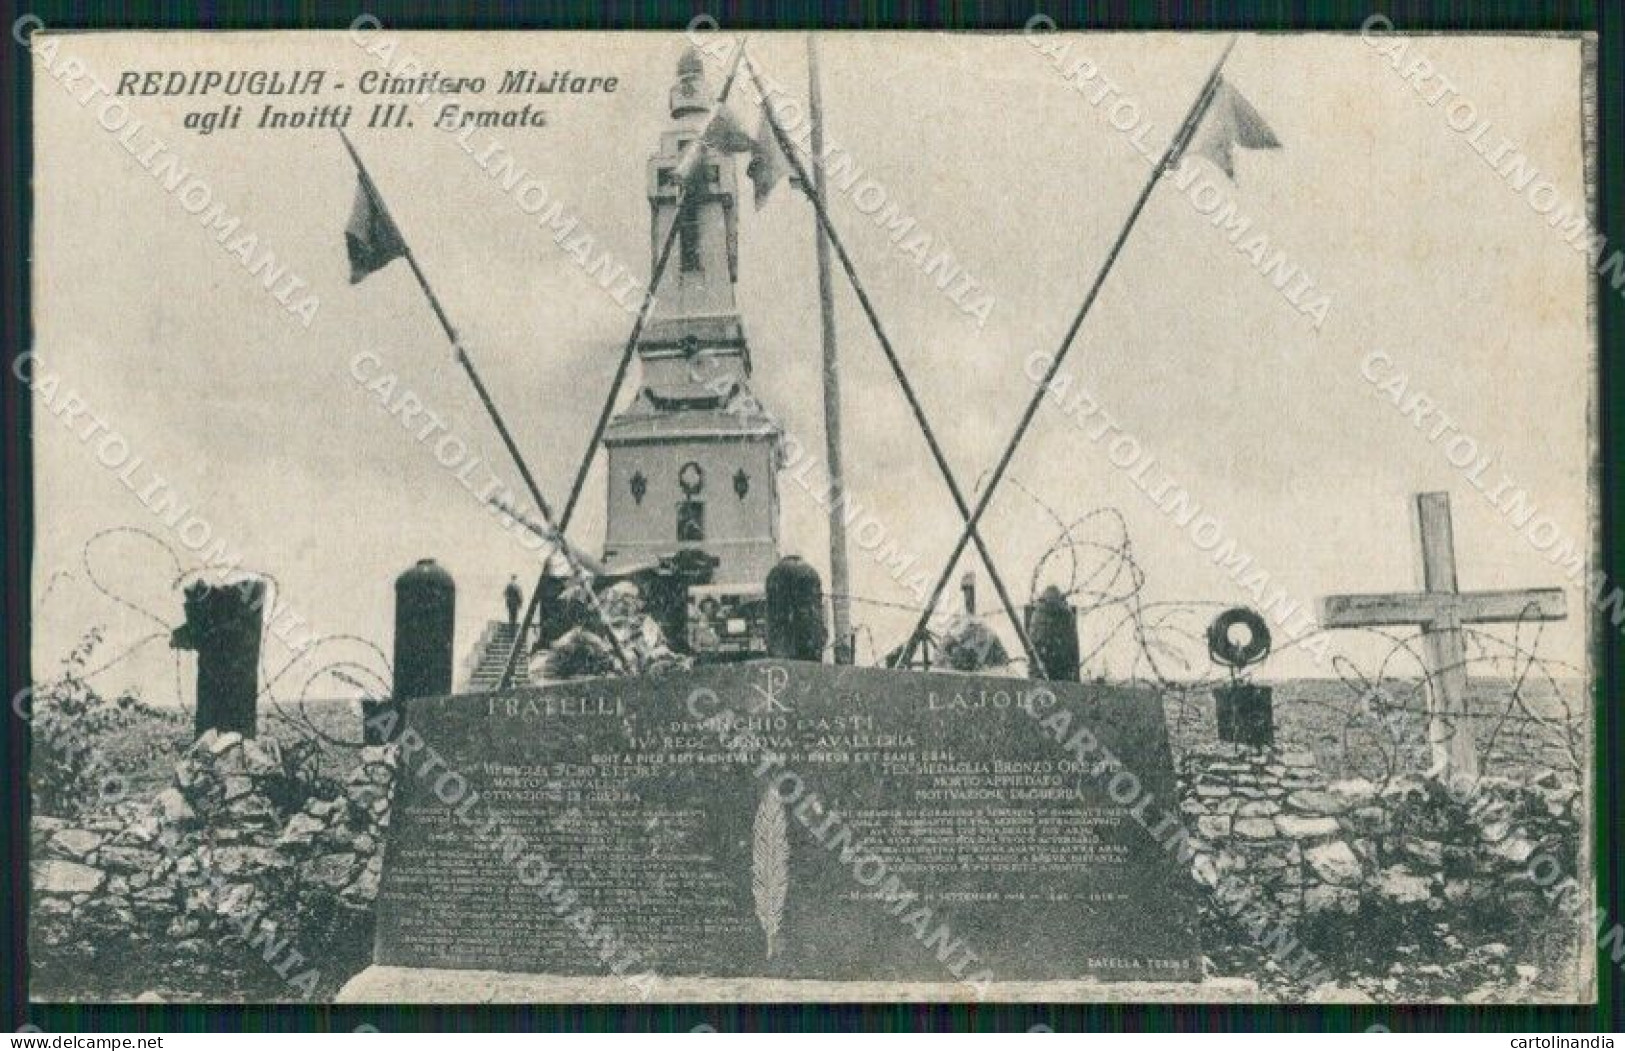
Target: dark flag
1230	121
721	132
725	134
767	161
370	236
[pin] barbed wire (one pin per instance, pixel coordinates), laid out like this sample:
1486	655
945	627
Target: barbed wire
1092	563
1382	711
299	715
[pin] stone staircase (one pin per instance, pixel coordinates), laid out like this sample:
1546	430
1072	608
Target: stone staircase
482	671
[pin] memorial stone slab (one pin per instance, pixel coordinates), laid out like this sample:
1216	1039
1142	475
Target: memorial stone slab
776	819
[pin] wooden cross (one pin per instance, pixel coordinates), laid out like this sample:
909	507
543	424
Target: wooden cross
1440	610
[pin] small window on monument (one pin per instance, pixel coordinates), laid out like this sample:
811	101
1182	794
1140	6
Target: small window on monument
691	521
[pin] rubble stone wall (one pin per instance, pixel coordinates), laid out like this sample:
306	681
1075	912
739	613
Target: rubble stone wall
1310	847
236	874
245	874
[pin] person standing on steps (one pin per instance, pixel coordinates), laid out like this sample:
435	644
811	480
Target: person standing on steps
513	595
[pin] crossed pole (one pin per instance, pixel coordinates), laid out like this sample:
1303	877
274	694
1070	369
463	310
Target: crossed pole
971	516
629	349
1174	150
533	607
484	393
809	189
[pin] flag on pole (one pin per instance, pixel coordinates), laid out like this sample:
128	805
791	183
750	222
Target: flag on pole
725	134
1230	121
370	236
721	130
767	161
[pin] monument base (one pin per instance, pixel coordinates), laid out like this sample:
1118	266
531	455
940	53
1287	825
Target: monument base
420	985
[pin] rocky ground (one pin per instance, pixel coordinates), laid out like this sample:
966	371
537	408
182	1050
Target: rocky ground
246	869
240	879
1404	892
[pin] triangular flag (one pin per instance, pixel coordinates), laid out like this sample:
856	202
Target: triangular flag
722	133
370	236
767	161
1230	121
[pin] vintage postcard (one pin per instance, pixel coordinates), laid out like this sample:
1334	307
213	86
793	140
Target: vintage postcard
702	516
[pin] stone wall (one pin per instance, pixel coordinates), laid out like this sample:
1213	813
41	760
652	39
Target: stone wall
1266	817
245	875
1311	847
1408	868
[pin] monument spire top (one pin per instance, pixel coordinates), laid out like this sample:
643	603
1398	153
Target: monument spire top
687	476
691	94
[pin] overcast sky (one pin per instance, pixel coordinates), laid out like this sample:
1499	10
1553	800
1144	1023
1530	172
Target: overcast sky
1427	253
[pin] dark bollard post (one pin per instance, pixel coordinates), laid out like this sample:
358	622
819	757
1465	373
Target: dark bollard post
371	731
1246	714
223	625
665	600
795	611
425	616
1238	638
552	613
666	592
1053	626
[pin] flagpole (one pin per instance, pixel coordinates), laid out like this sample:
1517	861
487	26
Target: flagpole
467	363
533	607
840	585
890	353
1174	150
